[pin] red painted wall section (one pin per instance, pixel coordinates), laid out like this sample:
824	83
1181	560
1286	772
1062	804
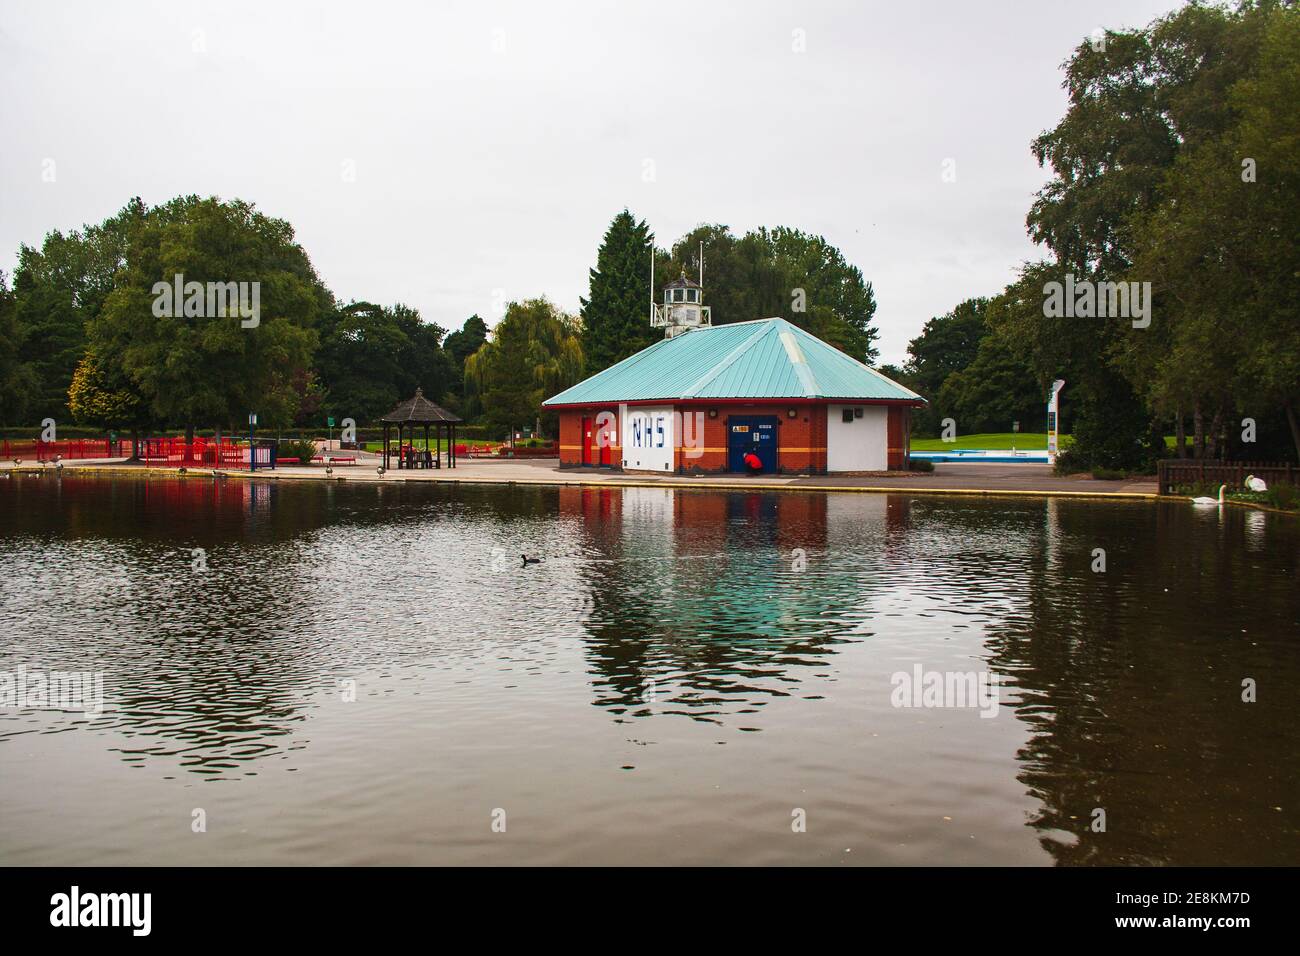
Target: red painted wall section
572	438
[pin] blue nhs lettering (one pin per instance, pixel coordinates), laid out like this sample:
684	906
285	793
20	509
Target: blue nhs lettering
648	432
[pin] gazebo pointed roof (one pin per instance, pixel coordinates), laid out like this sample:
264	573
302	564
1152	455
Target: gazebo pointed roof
420	411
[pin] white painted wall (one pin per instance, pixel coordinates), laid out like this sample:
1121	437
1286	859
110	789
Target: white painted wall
859	445
648	439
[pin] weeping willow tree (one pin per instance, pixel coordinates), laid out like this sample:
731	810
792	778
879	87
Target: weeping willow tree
534	352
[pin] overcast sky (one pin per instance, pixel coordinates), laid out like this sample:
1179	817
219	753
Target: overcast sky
490	144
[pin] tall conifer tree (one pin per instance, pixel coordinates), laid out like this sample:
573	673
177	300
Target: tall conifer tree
616	313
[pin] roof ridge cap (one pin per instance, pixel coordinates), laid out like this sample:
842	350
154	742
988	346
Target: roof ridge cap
802	367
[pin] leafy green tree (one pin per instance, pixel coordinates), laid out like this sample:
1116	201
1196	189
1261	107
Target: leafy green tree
58	289
358	361
18	380
823	292
1269	134
616	311
993	391
106	397
211	368
372	357
1107	420
1222	247
1147	135
947	345
778	272
535	351
459	346
307	398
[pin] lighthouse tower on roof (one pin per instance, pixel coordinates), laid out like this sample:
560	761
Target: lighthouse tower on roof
681	310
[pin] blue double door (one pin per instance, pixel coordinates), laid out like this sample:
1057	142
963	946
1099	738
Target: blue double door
756	433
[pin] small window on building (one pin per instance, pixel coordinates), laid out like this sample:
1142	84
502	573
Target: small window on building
857	413
846	415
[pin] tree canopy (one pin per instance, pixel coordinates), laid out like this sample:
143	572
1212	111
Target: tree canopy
372	357
616	311
778	272
58	289
214	366
534	352
1174	165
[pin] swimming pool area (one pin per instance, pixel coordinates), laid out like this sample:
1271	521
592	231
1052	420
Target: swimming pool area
991	456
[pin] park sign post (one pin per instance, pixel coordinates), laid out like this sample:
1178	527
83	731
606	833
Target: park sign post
1053	407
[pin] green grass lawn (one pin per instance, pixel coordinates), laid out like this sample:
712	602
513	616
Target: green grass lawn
419	443
1000	441
378	446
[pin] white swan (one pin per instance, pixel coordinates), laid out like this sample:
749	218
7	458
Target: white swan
1255	484
1203	502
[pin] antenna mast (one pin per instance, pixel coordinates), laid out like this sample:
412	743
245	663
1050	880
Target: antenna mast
701	263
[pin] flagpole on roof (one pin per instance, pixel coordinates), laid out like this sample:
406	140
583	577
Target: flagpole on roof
652	281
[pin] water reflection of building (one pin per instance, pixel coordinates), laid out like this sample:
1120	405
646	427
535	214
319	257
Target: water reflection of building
699	598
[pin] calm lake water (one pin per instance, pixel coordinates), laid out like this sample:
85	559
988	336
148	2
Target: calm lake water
684	678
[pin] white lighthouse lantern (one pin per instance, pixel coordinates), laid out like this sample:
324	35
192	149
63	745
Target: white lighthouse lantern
682	309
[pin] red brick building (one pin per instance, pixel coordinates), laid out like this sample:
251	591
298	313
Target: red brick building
708	397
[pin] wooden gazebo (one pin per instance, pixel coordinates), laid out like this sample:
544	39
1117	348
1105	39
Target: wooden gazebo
410	415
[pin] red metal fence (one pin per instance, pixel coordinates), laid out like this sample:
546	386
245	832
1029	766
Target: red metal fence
167	452
67	450
175	452
1173	473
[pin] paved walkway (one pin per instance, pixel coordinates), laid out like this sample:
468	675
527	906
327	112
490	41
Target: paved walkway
947	478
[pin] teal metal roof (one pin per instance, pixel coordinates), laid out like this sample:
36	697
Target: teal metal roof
765	358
